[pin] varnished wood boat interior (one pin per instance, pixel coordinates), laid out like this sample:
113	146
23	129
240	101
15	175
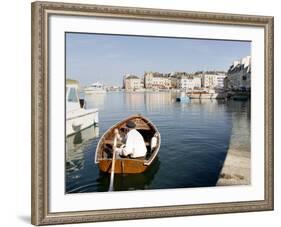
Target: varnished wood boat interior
127	165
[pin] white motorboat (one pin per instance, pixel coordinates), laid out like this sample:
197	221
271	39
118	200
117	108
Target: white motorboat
94	88
77	116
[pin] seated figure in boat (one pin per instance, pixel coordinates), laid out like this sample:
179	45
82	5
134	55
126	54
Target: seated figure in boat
135	146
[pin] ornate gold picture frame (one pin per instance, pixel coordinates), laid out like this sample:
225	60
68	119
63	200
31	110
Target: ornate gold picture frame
41	13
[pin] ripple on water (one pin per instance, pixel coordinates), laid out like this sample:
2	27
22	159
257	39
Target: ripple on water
195	138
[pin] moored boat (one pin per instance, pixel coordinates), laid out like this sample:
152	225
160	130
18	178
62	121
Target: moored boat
104	148
207	95
182	98
95	88
77	116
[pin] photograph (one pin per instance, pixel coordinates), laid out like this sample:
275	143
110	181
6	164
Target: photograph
149	113
156	112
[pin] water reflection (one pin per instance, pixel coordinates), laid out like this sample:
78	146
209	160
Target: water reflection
194	135
160	101
153	101
75	146
137	181
126	182
134	100
95	100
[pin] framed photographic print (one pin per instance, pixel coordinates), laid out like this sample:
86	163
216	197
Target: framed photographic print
149	113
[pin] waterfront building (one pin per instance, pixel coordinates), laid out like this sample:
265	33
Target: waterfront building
132	82
220	80
180	80
189	82
197	82
239	74
157	80
142	83
213	80
124	80
174	81
209	80
148	80
225	83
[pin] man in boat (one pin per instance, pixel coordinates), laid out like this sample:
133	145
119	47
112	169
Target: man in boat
135	146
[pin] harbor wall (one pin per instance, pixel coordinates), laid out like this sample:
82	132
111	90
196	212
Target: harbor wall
237	165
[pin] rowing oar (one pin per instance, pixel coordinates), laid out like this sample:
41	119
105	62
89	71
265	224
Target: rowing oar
113	164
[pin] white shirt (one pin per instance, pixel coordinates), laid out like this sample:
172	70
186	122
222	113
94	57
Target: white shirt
135	145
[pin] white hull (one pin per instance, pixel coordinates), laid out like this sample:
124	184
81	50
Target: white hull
207	96
95	91
81	119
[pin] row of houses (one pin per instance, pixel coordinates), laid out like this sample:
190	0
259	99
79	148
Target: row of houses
132	82
178	80
239	75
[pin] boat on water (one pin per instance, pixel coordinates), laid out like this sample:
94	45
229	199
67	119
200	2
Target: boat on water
183	97
104	148
77	116
207	95
95	88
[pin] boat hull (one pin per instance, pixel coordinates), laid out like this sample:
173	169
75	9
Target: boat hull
95	91
208	96
182	99
103	155
123	166
80	121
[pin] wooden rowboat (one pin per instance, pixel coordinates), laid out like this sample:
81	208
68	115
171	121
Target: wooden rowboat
103	155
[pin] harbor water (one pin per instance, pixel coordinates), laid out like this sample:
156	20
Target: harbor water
196	136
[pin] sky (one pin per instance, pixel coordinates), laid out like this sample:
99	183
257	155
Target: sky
107	58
